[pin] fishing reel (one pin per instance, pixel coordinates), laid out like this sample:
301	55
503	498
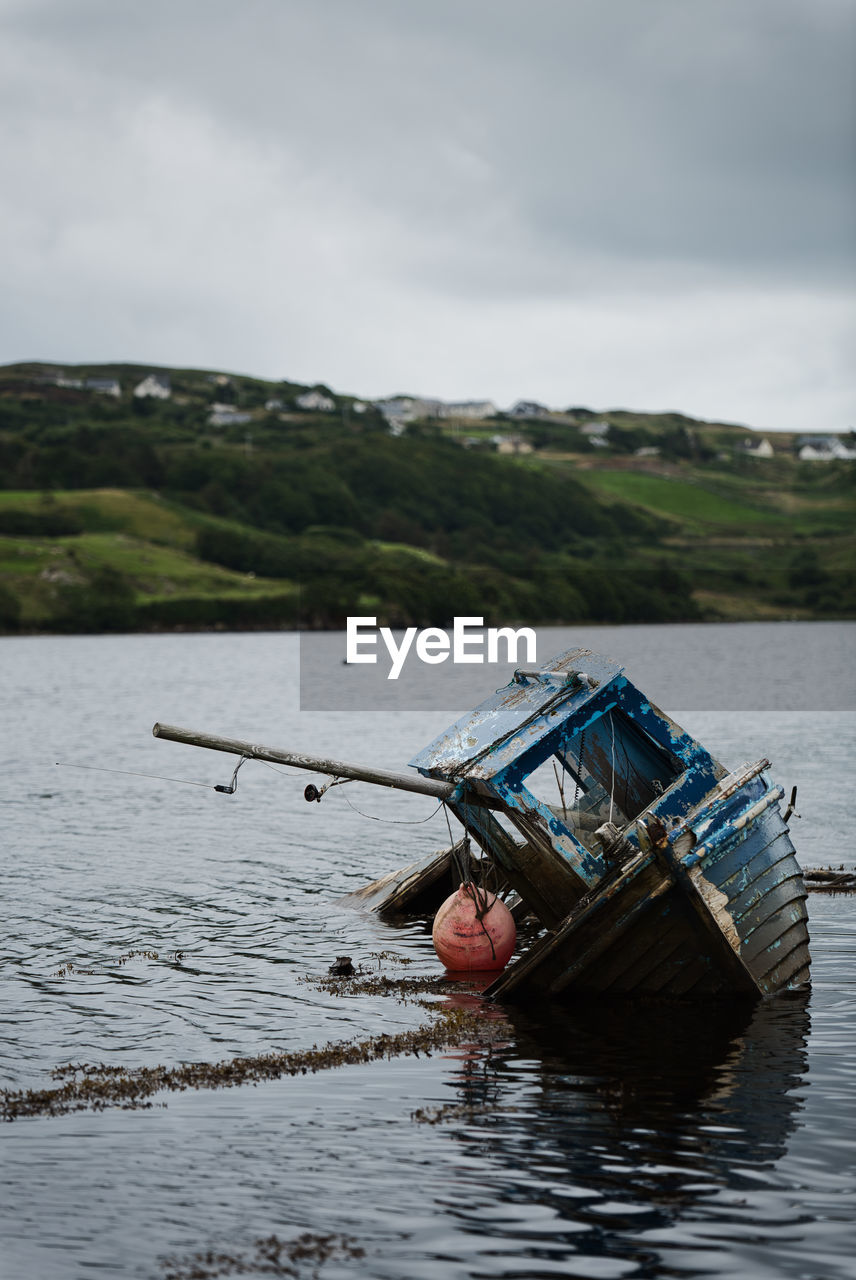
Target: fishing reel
312	792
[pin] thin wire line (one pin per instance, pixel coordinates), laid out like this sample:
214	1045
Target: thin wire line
135	773
395	822
288	773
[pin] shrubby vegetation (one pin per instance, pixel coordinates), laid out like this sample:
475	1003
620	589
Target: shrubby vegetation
304	519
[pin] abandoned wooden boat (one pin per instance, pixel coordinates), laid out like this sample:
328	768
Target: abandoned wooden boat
658	873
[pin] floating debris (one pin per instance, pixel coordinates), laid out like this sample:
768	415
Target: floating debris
380	956
67	969
97	1087
377	984
830	880
134	955
270	1256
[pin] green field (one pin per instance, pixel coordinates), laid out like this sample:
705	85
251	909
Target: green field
136	540
687	502
124	515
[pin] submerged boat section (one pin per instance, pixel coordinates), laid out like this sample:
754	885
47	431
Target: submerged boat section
659	872
650	868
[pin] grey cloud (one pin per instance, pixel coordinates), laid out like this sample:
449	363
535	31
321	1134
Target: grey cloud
243	172
695	134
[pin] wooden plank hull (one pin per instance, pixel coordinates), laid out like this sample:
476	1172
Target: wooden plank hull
728	921
418	888
756	868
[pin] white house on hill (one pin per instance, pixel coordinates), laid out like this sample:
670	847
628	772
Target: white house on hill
226	415
758	448
156	385
528	409
596	433
407	408
104	386
315	400
824	449
474	410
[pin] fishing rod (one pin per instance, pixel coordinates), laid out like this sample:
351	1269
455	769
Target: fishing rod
315	764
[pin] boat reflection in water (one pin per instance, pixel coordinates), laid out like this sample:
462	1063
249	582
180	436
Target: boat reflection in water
629	1140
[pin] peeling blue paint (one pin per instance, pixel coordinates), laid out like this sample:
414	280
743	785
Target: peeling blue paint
631	770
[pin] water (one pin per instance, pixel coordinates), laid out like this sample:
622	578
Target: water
578	1144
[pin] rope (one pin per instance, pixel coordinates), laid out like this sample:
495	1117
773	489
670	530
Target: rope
561	786
579	767
462	865
612	783
394	822
286	773
478	894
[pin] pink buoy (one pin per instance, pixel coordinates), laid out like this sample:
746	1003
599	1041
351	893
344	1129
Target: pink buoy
474	931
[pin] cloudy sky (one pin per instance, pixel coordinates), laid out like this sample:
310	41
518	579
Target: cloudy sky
637	203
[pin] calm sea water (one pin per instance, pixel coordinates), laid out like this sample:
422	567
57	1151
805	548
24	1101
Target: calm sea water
583	1144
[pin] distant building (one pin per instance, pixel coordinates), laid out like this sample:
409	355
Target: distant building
156	385
824	449
403	409
528	409
104	386
512	444
397	411
359	406
273	406
315	400
647	451
474	410
226	415
596	433
757	448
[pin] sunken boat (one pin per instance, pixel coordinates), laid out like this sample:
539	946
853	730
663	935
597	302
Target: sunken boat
660	872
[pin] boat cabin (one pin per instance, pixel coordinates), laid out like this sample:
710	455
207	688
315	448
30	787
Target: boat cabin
616	757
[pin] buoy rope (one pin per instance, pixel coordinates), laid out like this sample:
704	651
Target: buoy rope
479	898
477	894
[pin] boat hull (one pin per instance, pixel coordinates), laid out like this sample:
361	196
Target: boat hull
754	866
725	918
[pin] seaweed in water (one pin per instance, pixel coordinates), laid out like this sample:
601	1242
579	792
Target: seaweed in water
269	1256
97	1087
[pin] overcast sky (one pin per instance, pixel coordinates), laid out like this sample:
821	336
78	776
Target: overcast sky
636	203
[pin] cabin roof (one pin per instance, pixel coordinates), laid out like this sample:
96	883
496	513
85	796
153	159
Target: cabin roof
514	718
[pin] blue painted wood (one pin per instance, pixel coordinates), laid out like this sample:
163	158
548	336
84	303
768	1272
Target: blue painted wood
732	892
515	718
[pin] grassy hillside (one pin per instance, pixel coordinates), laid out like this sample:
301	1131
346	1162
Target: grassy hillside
227	504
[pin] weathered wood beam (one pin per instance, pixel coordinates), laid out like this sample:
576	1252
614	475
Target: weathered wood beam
315	764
